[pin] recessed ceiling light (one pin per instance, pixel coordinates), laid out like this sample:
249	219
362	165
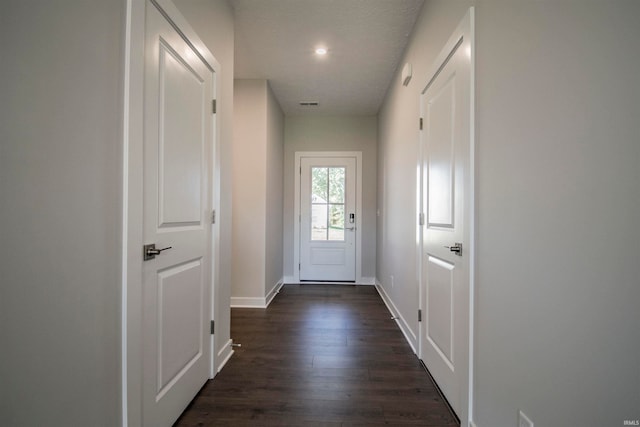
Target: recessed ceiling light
321	51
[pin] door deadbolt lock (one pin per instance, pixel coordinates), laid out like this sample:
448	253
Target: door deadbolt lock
149	251
456	248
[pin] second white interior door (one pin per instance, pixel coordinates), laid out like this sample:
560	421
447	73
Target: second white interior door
448	209
176	297
328	219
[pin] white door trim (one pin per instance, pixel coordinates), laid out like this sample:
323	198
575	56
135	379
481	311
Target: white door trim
132	199
296	208
465	31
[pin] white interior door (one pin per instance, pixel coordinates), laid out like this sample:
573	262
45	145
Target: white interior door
446	145
328	219
178	140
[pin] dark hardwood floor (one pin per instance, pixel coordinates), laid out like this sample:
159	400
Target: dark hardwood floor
319	355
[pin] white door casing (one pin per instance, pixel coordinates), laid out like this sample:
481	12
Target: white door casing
331	253
447	208
169	134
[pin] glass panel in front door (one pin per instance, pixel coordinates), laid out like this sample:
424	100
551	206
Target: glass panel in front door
327	203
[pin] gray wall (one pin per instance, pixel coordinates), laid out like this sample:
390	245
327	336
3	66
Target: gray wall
558	179
257	189
249	172
274	192
557	174
345	133
60	173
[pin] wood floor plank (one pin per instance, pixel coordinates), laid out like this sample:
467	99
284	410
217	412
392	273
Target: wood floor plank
323	356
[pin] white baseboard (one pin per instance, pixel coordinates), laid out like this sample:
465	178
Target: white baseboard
409	335
257	302
273	292
248	302
225	354
290	280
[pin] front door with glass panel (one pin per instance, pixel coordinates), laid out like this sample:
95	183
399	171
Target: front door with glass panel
328	219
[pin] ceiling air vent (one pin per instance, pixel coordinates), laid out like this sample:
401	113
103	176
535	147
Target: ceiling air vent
309	103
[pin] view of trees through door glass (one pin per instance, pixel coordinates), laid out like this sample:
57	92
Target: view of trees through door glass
327	203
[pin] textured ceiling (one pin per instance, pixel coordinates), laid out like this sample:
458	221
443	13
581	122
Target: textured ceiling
276	39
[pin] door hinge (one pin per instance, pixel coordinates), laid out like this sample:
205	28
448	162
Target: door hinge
419	315
298	267
420	123
214	106
300	170
213	217
421	218
213	327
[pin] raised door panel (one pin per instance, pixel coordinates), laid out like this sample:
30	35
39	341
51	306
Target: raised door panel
180	321
440	148
181	140
440	309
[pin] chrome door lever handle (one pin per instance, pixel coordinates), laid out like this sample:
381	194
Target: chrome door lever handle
350	228
150	251
456	248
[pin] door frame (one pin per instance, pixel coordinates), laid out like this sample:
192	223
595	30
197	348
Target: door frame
296	207
131	239
463	32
